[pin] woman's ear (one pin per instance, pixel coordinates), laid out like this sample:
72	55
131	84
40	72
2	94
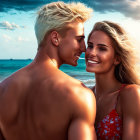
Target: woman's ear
55	38
117	60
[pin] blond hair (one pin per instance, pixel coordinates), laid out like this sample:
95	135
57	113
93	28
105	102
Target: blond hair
56	15
125	72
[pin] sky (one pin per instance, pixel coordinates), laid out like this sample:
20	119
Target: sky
17	19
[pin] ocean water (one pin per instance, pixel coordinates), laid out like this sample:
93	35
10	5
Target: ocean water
7	67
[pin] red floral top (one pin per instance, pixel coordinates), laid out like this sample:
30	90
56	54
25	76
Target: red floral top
110	128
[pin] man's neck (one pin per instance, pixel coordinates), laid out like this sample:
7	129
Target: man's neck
43	57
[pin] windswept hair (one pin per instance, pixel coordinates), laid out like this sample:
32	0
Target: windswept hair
125	72
56	15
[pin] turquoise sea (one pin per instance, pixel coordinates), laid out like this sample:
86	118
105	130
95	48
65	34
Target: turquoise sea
9	66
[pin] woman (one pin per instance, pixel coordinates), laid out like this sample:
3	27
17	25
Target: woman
109	55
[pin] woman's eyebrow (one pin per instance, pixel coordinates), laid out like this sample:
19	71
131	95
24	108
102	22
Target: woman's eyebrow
100	44
89	43
103	45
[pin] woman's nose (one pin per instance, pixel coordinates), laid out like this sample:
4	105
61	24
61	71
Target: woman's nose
92	51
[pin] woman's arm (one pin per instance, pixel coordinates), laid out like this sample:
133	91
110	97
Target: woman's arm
130	102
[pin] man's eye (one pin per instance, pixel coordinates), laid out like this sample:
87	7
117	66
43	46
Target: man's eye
79	40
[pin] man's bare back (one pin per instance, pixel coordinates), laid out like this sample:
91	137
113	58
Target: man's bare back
42	104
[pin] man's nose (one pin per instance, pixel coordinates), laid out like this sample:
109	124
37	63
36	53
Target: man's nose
83	46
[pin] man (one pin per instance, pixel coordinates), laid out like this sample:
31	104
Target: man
41	102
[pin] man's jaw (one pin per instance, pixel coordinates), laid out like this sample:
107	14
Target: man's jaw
77	56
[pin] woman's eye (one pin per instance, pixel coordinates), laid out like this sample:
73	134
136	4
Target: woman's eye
90	46
102	49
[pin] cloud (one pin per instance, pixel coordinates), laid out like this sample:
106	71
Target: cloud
6	37
9	26
21	5
129	8
22	39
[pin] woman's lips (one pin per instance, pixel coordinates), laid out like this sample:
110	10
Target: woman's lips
92	62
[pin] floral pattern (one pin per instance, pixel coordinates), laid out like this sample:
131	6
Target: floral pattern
110	128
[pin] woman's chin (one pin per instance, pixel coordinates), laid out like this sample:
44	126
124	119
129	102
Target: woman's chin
90	70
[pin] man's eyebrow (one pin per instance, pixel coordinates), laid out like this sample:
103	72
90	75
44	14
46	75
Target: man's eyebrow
81	36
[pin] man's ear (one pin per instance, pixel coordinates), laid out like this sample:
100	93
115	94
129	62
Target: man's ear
117	60
55	38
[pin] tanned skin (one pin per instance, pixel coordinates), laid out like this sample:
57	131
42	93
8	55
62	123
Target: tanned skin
40	102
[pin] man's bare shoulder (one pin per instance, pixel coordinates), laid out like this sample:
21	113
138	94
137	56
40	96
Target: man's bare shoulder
82	98
76	92
70	84
83	106
11	92
11	88
16	79
73	85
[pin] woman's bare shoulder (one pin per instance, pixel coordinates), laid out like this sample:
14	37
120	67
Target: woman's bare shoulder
130	98
130	90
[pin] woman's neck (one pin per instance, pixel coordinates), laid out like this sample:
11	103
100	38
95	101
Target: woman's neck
106	83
